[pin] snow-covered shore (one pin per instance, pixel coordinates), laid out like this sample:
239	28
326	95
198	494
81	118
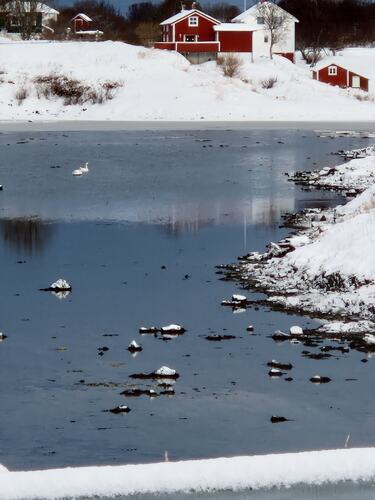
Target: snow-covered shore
233	474
162	85
327	268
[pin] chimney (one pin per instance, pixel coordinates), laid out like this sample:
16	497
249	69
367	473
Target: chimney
183	7
194	5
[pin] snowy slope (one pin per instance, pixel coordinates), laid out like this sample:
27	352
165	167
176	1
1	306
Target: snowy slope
161	85
329	268
237	473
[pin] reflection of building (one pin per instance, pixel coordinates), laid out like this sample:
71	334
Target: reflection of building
264	211
25	234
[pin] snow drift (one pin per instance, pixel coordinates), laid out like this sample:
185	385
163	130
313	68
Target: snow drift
238	473
163	85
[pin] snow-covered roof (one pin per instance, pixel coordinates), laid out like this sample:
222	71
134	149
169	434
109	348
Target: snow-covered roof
89	32
186	13
236	27
41	7
241	18
83	16
352	62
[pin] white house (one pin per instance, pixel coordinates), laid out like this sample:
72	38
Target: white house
43	16
261	36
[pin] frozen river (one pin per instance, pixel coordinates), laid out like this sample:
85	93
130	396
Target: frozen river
139	237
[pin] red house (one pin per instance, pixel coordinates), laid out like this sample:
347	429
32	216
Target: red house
83	27
338	75
200	37
81	22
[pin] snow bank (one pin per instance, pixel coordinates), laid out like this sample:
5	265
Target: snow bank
311	468
329	266
179	91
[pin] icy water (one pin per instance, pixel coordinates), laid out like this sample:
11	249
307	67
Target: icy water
139	237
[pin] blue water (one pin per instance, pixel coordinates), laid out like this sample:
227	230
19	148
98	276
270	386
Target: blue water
154	199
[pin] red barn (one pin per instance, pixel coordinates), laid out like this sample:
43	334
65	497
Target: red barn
200	37
337	75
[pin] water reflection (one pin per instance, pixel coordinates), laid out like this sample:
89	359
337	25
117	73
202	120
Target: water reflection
257	211
26	234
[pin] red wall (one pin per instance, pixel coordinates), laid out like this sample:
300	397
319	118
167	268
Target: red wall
204	30
340	79
195	47
80	24
363	81
236	41
288	55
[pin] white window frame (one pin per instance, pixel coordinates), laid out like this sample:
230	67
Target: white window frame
193	21
332	70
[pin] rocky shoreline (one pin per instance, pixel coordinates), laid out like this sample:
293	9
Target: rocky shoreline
324	268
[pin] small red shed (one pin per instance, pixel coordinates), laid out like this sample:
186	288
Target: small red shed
340	76
81	22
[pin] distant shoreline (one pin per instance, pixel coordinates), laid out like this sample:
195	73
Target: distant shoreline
112	126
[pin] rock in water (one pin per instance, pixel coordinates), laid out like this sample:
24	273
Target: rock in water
134	347
276	419
120	409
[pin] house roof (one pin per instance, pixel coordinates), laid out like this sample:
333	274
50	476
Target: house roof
350	62
83	16
41	7
241	18
236	27
186	13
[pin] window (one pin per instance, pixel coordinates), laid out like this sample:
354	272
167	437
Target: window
193	21
260	20
190	38
332	70
265	38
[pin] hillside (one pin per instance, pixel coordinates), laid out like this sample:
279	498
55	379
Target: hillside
161	85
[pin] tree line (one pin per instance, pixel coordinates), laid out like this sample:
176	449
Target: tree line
331	24
323	24
141	23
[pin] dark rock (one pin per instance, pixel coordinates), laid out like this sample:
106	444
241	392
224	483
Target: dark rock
317	379
152	329
120	409
276	419
138	392
280	366
218	338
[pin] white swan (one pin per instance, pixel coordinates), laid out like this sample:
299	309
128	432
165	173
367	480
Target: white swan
85	168
81	170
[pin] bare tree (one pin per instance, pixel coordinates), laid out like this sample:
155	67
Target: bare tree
275	21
